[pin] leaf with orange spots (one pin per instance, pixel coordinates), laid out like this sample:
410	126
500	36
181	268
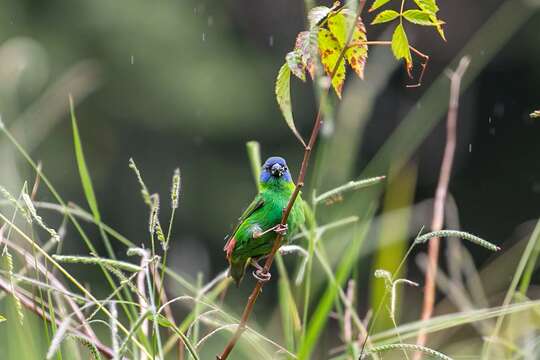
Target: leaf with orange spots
340	25
330	50
294	61
306	44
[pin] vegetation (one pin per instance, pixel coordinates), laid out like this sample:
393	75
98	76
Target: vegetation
319	282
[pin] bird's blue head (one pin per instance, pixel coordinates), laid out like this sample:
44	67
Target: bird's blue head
275	168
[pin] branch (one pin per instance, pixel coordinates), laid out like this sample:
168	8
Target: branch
423	64
440	196
299	185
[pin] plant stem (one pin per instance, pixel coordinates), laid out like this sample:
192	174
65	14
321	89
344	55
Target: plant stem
440	196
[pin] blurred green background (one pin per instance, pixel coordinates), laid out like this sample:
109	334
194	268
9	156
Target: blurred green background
187	83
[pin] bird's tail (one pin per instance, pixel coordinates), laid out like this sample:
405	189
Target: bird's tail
237	269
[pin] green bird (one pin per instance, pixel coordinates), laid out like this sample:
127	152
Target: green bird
253	237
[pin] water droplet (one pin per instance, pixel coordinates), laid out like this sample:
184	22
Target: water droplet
489	120
132	60
271	40
210	20
324	82
498	110
470	147
327	128
203	36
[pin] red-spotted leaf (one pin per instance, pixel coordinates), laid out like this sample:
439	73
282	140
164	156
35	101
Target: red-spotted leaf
297	67
400	46
330	50
283	97
306	44
339	25
317	15
377	4
385	16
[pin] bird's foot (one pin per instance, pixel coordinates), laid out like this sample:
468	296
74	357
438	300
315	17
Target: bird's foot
260	274
281	229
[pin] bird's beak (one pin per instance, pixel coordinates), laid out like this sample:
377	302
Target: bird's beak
277	170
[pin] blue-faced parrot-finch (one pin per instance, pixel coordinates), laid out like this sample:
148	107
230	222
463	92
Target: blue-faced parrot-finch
257	228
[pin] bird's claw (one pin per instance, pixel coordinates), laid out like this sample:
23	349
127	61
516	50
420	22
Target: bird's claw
281	229
262	276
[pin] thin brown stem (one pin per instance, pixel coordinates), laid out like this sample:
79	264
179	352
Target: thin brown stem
440	196
423	64
299	185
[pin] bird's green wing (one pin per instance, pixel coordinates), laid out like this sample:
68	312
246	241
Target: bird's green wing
255	205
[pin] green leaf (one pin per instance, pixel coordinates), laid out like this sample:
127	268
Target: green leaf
330	49
164	322
400	46
294	61
86	180
283	97
320	316
429	6
339	25
385	16
439	27
317	15
377	4
419	17
81	163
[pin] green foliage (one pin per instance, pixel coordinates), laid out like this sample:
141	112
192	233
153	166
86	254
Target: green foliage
385	16
283	96
338	36
89	345
377	4
408	347
330	55
301	335
96	260
400	46
459	234
81	164
419	17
